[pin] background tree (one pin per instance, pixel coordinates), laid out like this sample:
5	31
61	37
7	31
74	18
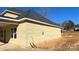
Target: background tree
77	25
68	25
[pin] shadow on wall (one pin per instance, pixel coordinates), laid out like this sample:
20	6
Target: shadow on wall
33	45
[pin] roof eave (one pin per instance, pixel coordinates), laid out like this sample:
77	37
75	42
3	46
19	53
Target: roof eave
24	19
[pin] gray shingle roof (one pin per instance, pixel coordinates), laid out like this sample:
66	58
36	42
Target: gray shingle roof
32	15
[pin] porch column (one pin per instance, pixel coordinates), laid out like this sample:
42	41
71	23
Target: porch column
7	34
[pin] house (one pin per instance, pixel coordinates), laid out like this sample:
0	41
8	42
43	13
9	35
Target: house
26	28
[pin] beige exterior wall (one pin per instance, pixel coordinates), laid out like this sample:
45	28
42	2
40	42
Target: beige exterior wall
22	35
40	33
30	32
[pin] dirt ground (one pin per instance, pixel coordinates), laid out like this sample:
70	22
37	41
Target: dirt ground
68	42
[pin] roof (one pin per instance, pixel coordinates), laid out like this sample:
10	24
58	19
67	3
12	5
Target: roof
33	15
28	14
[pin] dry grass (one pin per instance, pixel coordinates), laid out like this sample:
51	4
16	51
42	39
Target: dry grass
71	42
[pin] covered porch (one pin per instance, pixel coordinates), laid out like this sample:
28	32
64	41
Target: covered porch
7	31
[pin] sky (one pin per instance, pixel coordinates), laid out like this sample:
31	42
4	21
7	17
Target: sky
55	14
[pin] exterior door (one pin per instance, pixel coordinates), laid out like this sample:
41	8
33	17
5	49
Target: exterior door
2	35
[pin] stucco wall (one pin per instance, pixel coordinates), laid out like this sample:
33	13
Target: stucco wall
40	33
30	32
22	36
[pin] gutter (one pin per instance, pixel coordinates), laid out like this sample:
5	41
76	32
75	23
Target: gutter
24	19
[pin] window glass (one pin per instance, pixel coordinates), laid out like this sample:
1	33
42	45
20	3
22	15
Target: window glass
13	32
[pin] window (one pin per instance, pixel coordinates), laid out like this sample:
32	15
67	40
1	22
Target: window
13	33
